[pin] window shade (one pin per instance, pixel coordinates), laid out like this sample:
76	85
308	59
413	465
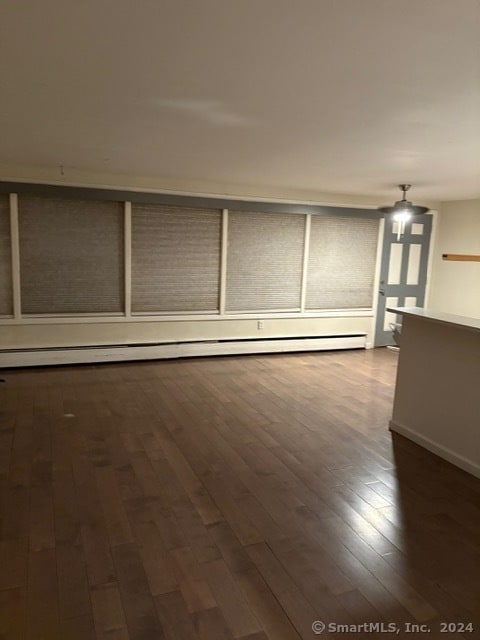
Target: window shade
6	301
175	259
341	263
264	261
71	256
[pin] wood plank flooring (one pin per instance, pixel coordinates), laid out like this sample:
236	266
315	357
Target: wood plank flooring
211	499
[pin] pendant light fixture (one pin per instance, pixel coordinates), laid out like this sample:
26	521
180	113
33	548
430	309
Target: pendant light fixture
403	210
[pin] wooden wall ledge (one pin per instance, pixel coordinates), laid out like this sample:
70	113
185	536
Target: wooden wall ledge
460	257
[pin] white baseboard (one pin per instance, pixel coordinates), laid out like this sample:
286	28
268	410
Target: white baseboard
119	353
443	452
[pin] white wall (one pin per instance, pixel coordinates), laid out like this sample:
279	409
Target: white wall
455	286
23	332
55	332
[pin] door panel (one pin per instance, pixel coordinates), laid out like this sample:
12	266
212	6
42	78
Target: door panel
403	272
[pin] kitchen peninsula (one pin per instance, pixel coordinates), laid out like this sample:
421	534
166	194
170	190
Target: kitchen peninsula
437	393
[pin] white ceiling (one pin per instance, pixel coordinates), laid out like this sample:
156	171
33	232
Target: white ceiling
340	96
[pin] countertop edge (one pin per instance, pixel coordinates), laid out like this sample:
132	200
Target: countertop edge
473	324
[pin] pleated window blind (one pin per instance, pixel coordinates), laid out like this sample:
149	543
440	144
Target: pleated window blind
175	259
71	256
6	303
341	264
264	261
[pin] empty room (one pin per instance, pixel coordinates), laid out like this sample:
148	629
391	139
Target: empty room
239	319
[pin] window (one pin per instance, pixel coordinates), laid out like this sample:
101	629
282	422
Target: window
264	261
175	259
341	262
71	256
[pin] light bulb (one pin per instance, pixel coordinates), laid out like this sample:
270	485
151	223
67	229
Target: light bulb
402	216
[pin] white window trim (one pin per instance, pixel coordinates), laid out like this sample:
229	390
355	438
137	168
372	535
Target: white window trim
306	253
223	262
127	266
106	319
127	316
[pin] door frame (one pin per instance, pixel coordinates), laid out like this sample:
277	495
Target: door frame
433	244
378	267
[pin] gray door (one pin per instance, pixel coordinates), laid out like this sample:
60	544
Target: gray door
403	273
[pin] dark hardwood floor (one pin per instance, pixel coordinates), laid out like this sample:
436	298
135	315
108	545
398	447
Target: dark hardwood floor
211	499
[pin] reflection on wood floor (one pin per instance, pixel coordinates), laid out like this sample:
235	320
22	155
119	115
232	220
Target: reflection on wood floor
237	497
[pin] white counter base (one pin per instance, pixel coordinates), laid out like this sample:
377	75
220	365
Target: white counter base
437	393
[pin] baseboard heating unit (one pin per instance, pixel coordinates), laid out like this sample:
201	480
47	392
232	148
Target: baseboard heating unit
158	351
